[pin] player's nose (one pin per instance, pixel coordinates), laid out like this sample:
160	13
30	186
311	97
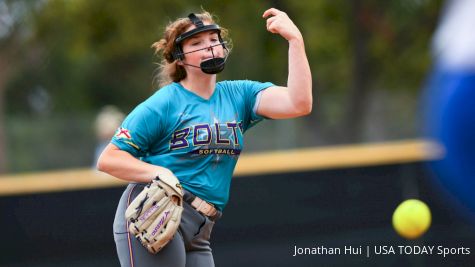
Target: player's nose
210	47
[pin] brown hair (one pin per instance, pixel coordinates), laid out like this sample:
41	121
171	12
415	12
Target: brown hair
168	70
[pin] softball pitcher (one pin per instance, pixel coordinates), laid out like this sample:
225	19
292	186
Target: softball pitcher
193	127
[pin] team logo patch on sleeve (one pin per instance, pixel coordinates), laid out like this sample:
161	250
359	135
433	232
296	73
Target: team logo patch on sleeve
124	135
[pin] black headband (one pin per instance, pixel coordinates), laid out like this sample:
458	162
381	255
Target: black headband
200	27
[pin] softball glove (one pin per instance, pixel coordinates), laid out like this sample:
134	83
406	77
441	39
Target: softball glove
155	214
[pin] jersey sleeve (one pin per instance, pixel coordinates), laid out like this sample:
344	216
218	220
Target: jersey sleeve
252	92
141	128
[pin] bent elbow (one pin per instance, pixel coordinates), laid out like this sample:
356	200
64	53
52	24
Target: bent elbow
101	164
308	109
305	109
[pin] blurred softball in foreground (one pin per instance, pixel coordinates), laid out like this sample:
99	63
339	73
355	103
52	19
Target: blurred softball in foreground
412	218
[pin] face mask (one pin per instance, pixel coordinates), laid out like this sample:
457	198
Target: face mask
213	65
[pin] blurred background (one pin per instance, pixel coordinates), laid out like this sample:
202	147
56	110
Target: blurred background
62	61
70	70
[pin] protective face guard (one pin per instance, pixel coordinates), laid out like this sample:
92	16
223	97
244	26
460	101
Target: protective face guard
210	66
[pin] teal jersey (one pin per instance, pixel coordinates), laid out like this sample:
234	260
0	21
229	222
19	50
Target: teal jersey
198	139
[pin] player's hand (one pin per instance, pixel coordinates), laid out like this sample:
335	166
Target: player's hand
278	22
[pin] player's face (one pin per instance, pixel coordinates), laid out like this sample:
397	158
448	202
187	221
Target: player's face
202	46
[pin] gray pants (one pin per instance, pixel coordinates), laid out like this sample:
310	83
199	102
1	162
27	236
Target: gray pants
190	247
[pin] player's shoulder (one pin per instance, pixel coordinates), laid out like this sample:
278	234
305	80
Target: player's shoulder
242	83
165	91
162	95
234	86
243	86
160	100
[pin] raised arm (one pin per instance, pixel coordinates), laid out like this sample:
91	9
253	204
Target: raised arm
296	99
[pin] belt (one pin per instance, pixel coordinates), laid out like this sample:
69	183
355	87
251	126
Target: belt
202	206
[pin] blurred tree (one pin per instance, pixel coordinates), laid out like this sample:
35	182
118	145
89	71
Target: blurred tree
359	46
13	33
